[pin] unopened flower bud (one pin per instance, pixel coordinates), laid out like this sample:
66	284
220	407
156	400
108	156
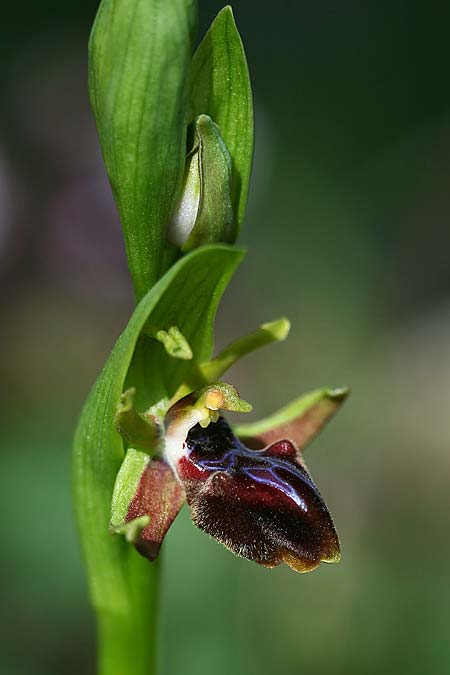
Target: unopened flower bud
204	213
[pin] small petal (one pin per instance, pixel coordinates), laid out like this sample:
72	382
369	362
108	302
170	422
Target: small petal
268	333
262	505
210	371
175	343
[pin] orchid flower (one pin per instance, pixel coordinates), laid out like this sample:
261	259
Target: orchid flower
247	490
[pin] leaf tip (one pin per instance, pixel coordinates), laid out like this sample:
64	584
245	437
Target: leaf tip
226	13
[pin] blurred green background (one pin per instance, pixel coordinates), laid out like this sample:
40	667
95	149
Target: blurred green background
348	229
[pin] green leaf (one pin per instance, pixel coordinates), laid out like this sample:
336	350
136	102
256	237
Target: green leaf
220	88
299	421
121	582
139	60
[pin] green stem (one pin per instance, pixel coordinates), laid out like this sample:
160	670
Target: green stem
127	640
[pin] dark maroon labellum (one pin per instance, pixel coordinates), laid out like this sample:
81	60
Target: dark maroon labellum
261	504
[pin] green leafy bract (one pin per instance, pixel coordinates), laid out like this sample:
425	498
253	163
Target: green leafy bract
121	582
220	88
139	60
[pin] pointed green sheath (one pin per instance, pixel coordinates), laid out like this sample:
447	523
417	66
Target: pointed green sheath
139	61
220	88
123	584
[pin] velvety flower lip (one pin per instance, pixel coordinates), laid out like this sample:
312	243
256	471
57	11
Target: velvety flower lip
261	504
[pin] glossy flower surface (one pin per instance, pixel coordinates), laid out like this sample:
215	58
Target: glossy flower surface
261	504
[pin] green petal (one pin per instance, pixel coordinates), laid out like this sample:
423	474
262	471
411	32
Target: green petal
220	88
300	421
274	331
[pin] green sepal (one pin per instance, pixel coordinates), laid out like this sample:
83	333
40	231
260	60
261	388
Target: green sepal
204	214
299	421
138	429
139	62
220	88
125	488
